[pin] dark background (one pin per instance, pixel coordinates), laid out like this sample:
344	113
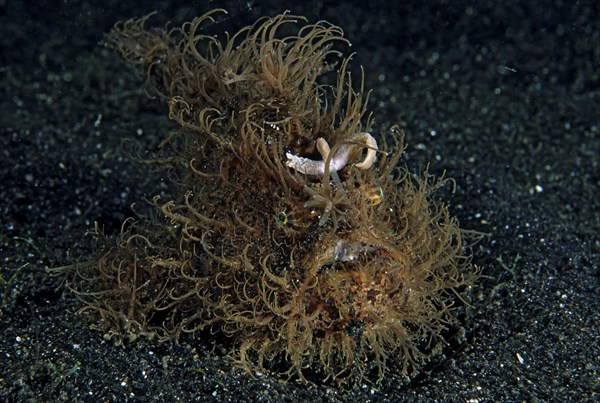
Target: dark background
502	96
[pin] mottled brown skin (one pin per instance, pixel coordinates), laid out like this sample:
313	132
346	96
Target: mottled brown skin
332	274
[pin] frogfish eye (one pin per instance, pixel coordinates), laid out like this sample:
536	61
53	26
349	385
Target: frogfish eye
282	217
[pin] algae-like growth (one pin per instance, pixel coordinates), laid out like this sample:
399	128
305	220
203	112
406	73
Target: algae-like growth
293	231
